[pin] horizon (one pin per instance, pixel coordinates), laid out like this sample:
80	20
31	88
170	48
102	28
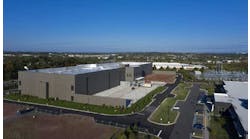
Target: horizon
216	53
125	26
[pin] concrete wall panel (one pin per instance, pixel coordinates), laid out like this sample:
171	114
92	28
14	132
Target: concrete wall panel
91	83
34	83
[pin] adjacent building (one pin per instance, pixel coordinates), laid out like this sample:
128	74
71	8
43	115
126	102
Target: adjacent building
233	98
80	83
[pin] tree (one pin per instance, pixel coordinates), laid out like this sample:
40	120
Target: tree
161	68
195	69
167	68
154	67
202	69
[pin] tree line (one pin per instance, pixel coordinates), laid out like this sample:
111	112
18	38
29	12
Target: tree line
11	65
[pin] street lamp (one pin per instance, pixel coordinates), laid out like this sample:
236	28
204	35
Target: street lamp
168	113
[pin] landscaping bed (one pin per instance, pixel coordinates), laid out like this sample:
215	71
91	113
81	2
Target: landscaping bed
138	106
222	128
164	113
209	86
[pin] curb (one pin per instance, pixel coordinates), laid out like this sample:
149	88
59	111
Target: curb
178	113
152	100
32	103
60	107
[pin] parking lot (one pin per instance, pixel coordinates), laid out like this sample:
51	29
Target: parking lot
184	125
198	126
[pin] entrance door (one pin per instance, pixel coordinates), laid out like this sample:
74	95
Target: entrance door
47	90
143	73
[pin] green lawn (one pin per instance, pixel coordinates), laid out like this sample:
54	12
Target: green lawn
130	133
182	90
209	86
138	106
222	128
164	113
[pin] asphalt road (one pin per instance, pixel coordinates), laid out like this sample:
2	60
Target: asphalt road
183	126
180	130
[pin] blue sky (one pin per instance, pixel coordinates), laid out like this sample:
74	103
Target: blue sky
125	25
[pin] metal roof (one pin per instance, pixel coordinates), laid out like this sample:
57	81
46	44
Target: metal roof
220	97
87	68
237	93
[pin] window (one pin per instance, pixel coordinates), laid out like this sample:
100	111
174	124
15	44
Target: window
72	87
72	98
19	83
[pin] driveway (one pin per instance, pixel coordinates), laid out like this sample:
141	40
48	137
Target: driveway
183	126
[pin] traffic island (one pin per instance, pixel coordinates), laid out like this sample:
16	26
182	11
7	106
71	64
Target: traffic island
166	113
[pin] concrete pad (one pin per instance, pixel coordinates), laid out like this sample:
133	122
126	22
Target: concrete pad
124	90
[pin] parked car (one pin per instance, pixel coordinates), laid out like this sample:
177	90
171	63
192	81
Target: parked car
23	111
198	126
176	108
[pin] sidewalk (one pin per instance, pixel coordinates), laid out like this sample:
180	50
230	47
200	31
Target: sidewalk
206	120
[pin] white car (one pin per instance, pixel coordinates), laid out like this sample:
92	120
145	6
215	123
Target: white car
176	108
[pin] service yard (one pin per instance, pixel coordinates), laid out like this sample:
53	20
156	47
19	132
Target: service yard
125	91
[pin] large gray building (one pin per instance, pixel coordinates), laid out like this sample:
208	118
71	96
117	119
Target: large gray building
79	83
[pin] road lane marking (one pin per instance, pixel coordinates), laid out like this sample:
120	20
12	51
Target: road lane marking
159	133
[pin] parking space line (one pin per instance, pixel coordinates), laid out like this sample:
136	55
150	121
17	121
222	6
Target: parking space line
159	133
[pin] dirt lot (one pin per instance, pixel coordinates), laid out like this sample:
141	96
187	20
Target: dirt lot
45	126
167	78
9	110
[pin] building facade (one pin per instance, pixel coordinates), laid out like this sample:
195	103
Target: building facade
79	83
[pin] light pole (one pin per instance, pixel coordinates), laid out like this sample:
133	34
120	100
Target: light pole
168	113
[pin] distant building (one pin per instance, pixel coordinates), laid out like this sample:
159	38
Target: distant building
119	57
26	55
197	72
166	65
79	83
209	61
9	55
230	61
219	66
